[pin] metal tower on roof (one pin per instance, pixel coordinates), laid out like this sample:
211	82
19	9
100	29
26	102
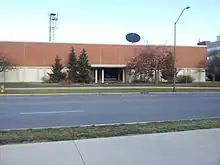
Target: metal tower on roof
53	18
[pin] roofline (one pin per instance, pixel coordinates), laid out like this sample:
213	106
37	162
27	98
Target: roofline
202	46
108	65
101	44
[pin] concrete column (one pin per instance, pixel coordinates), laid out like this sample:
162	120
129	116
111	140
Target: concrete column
24	69
96	76
4	76
123	75
119	76
103	75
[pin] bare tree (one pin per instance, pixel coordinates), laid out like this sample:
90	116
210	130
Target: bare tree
149	61
214	68
167	70
4	63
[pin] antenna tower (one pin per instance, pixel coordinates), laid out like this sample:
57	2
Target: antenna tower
53	18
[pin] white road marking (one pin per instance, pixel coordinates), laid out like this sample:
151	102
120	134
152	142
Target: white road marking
50	112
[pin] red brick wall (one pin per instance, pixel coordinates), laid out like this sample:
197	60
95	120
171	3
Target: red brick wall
43	54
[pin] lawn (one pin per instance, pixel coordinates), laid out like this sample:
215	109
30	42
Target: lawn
73	133
35	85
100	91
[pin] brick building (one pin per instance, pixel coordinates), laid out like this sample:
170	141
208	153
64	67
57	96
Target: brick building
33	60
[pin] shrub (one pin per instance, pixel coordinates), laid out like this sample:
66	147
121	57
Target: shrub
45	79
56	74
185	79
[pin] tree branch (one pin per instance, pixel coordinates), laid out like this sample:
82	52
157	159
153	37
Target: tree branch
4	64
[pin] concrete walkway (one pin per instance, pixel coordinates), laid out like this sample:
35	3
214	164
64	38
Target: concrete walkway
110	87
200	147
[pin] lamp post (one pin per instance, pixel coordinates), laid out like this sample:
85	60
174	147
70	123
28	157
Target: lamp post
174	51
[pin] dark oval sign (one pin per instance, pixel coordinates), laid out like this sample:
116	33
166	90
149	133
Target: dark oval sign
133	37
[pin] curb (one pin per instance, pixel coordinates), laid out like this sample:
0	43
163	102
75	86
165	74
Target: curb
63	94
115	124
179	92
128	93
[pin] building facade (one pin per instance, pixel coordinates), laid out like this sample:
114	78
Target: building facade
213	49
33	60
213	58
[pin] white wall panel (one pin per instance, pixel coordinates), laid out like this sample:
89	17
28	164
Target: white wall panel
35	74
197	73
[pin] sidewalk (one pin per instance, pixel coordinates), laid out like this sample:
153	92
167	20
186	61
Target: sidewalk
109	87
201	147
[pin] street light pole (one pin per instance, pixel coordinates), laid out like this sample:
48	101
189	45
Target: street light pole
174	60
174	51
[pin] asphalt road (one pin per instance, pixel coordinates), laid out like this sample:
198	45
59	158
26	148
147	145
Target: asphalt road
18	112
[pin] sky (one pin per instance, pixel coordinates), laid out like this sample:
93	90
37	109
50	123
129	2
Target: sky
108	21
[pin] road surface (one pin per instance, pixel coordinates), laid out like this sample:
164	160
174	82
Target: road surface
18	112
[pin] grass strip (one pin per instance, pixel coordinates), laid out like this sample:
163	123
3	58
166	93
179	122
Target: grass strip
73	133
49	91
35	85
